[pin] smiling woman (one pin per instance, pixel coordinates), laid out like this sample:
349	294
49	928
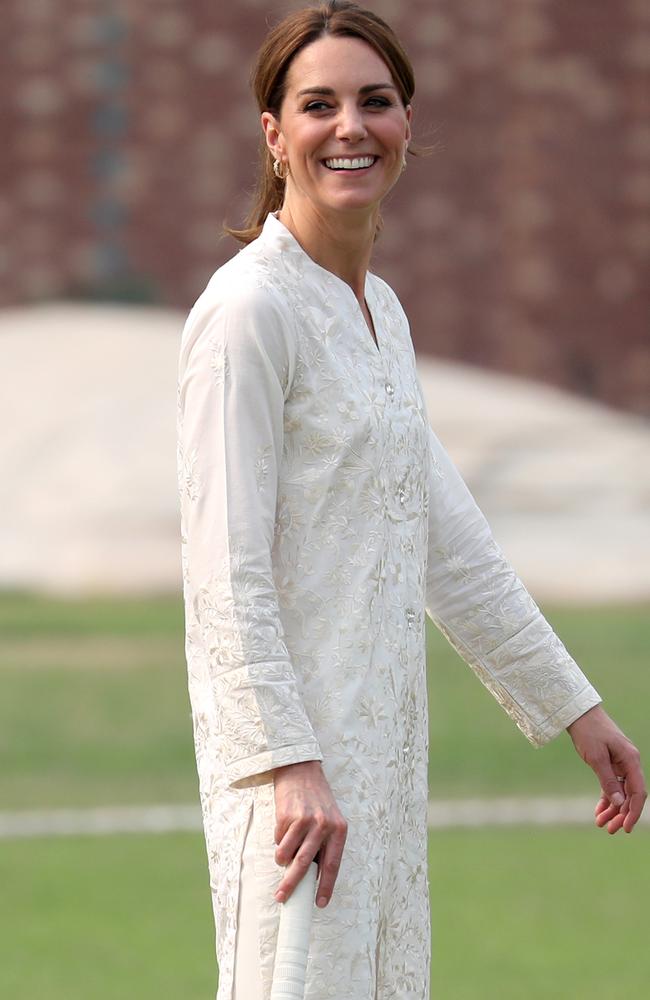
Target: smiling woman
341	154
321	519
391	89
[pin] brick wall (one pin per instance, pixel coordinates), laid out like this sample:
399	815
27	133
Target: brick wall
522	243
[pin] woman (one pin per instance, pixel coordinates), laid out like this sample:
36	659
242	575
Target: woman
321	517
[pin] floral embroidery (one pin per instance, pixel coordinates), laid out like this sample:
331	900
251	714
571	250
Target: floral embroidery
307	570
190	479
218	362
262	465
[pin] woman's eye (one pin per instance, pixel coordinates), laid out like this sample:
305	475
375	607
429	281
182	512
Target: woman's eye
376	102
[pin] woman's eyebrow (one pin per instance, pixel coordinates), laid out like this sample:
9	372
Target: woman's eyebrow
329	91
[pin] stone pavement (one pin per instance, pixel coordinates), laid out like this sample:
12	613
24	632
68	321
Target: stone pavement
88	474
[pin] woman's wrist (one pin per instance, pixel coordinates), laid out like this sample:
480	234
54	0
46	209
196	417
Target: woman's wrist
304	766
593	712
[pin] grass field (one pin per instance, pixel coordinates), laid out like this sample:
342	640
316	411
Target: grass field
94	711
515	914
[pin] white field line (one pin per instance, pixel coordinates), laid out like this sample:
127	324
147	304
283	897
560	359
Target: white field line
567	811
100	821
443	814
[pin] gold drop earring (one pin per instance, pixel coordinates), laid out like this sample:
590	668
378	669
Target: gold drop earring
277	170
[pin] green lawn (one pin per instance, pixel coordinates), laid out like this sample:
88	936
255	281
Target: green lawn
530	914
94	710
515	914
94	706
102	918
476	750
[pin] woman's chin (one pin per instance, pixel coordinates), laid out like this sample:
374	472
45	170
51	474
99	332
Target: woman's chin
352	201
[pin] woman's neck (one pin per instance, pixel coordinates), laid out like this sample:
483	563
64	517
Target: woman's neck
341	243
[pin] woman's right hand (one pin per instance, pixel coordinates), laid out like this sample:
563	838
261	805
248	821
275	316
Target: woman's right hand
307	821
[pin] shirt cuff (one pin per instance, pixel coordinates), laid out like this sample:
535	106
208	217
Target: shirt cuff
573	709
258	769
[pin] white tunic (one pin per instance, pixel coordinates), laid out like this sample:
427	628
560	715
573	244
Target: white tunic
321	517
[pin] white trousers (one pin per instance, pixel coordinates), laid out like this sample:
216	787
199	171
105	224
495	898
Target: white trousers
248	972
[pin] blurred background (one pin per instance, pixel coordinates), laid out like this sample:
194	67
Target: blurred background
520	248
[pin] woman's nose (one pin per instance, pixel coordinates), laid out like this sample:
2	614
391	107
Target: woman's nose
350	124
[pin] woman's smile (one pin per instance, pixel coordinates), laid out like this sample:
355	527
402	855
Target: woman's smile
350	164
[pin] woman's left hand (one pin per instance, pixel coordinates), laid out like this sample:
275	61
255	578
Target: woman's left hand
607	750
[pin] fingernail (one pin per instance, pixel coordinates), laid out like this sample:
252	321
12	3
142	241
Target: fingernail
321	901
617	799
281	897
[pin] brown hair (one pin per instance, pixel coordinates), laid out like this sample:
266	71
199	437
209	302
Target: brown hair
268	80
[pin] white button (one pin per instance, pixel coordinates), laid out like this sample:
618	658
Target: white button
389	389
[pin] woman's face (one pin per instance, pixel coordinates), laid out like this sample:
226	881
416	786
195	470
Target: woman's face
341	103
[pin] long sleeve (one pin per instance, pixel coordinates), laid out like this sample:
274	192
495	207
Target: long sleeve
475	598
237	359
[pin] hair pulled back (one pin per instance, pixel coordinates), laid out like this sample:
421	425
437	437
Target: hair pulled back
269	76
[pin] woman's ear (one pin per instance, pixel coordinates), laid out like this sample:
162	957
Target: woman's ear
409	116
273	134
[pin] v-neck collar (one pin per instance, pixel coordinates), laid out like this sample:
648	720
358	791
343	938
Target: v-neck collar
277	230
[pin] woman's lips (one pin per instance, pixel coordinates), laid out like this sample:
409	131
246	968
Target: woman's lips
349	170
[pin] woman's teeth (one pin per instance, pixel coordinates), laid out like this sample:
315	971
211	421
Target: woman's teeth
358	163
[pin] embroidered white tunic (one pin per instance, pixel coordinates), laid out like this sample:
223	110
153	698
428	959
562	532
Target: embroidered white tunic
320	518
